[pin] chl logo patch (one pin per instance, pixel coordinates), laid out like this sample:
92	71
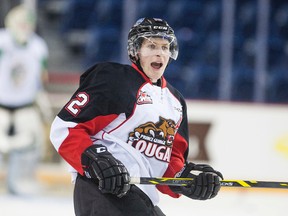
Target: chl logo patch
154	139
144	98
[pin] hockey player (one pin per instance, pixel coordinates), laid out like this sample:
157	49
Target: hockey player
23	68
129	121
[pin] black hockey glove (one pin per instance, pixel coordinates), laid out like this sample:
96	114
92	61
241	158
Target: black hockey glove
99	164
205	185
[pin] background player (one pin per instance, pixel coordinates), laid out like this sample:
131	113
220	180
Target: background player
23	68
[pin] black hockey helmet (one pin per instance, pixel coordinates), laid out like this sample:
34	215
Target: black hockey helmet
150	27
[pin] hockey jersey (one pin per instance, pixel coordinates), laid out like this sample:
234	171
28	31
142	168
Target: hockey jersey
21	69
143	125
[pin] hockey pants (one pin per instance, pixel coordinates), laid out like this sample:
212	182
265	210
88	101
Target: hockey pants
90	201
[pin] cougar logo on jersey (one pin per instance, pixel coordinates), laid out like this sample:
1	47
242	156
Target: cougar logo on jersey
154	139
144	98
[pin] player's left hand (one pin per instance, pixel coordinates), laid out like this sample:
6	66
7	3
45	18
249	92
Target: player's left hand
206	184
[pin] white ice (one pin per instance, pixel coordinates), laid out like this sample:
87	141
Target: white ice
243	202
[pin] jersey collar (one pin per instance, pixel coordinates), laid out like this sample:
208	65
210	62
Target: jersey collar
163	80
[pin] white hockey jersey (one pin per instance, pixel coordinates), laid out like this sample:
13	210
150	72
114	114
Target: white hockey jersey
20	69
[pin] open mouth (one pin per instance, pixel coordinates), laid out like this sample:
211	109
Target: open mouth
156	65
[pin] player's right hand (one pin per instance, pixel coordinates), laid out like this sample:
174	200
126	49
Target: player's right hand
100	164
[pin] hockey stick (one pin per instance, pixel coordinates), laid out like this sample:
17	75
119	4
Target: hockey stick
224	183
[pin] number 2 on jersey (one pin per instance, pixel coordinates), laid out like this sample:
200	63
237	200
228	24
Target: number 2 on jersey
75	105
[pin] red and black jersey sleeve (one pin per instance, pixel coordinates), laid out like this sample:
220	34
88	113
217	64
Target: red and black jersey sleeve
103	93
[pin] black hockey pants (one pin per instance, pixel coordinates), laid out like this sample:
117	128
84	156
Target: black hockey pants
89	201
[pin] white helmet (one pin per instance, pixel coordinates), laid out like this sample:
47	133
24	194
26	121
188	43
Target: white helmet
21	22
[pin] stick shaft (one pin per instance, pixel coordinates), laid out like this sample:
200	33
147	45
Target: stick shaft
224	183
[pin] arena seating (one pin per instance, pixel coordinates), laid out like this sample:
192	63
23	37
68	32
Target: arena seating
197	25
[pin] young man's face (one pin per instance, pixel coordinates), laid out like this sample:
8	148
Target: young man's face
154	55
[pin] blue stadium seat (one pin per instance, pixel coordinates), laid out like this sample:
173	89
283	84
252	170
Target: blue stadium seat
243	83
108	13
174	75
279	20
277	88
202	81
246	17
173	12
75	22
152	8
190	44
77	15
103	45
211	48
276	50
211	19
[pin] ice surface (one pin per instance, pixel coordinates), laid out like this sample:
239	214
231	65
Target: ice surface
228	203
